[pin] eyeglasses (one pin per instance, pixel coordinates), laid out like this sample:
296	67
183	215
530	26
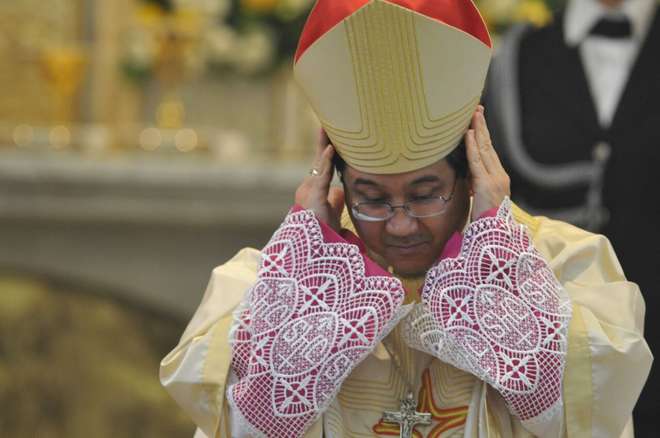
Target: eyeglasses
370	211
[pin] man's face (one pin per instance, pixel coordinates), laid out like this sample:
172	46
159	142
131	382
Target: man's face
410	245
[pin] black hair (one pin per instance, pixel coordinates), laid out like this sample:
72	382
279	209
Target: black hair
457	159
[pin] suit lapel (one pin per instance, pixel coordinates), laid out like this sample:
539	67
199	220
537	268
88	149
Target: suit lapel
574	78
636	97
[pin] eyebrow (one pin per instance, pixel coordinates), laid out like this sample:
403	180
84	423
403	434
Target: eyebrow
365	182
421	180
425	179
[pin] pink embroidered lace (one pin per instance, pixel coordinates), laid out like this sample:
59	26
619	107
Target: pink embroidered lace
318	308
497	311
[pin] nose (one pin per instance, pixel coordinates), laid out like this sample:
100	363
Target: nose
401	224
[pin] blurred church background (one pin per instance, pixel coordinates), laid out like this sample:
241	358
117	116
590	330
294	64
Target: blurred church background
142	143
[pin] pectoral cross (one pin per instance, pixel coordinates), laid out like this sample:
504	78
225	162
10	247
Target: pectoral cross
407	417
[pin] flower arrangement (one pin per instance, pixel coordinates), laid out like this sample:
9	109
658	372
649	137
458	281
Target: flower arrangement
246	37
501	14
253	37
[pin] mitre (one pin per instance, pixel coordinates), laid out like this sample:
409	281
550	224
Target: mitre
394	83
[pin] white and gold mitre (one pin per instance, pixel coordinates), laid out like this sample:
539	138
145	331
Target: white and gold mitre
393	82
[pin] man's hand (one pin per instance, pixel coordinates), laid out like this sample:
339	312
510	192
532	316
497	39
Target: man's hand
315	192
490	182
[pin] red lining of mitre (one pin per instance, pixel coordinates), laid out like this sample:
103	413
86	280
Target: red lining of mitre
461	14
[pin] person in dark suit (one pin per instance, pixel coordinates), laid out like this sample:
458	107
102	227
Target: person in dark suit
574	109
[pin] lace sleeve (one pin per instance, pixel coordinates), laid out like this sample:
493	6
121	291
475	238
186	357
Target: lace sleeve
318	308
497	311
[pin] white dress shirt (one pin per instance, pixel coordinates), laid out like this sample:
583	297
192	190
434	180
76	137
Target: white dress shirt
607	62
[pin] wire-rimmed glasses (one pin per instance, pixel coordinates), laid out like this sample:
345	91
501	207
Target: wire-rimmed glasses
428	206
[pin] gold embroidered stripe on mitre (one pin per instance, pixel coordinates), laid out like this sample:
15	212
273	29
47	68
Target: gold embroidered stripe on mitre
396	92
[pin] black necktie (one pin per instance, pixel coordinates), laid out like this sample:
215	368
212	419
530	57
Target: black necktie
615	28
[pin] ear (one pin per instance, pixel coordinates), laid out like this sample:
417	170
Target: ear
353	224
336	200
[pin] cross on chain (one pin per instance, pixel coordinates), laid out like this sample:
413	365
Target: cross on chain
407	417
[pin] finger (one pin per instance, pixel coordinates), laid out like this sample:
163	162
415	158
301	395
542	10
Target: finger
325	170
315	176
324	141
315	187
488	152
481	129
477	168
325	164
483	141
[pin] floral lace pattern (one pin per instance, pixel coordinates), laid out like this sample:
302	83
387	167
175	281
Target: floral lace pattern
498	312
311	317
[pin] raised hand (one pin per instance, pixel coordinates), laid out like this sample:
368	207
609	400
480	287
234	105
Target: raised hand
490	182
316	194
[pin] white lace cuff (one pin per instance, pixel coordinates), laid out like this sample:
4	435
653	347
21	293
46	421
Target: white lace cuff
318	308
497	311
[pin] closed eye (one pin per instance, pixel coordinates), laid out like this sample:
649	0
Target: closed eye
423	198
376	200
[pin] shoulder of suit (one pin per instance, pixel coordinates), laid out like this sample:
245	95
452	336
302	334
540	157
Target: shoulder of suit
535	37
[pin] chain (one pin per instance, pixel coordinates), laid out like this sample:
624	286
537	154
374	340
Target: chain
399	370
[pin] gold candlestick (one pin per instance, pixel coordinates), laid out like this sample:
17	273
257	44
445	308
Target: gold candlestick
64	70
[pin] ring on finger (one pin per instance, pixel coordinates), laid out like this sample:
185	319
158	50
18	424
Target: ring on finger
314	172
